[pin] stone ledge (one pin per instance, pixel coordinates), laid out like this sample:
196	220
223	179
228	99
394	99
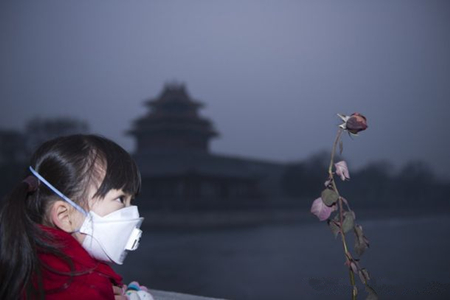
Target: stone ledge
163	295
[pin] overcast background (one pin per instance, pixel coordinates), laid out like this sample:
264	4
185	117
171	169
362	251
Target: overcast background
272	74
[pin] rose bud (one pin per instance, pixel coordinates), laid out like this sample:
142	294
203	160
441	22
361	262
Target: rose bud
354	123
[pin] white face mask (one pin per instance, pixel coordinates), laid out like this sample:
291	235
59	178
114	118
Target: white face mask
109	238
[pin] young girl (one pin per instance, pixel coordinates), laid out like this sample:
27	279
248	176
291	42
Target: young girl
70	217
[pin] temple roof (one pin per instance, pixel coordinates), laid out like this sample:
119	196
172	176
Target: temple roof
173	122
174	93
162	164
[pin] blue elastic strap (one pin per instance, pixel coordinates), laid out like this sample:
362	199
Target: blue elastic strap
55	190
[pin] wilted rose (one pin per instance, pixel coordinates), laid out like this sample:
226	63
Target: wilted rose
354	123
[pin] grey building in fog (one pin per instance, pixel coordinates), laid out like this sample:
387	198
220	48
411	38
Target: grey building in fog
178	169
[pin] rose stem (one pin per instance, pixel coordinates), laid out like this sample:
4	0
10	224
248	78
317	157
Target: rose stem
341	217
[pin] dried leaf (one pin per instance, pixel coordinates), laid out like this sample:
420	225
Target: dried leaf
354	267
361	242
372	294
342	170
341	147
364	275
321	210
329	197
348	206
334	226
351	212
349	222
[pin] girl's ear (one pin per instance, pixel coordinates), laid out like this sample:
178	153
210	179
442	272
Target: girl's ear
61	214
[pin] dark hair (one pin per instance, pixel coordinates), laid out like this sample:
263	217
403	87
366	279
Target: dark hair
70	164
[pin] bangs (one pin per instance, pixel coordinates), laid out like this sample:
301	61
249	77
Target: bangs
121	171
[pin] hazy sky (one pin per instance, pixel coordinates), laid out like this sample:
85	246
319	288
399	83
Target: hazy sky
272	74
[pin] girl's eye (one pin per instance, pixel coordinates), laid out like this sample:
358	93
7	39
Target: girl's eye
121	199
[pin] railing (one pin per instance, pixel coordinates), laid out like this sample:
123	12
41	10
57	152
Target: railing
162	295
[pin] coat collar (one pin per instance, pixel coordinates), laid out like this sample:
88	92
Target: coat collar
81	259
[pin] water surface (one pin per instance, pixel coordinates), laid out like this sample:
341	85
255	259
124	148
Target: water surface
408	259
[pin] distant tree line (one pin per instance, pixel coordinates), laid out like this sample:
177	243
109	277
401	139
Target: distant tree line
17	146
374	185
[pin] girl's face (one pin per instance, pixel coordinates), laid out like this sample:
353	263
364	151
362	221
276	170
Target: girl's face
113	201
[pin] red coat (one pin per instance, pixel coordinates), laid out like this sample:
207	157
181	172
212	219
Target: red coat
96	278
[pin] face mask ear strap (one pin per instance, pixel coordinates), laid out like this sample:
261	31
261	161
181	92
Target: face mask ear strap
57	192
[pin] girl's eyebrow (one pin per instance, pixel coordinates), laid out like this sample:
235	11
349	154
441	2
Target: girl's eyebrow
125	195
118	194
